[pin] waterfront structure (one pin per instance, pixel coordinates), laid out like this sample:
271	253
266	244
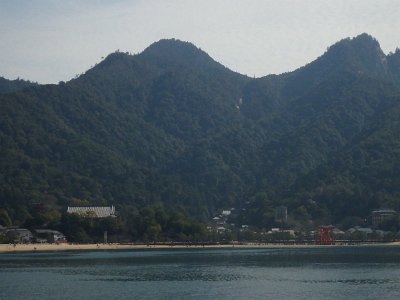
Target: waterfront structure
325	236
92	211
18	235
275	231
363	230
50	236
380	215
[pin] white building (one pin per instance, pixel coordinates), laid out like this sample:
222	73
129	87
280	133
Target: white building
92	211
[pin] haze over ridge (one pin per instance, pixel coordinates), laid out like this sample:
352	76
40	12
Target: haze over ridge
49	41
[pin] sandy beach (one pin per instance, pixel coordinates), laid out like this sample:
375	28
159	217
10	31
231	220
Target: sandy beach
4	248
10	248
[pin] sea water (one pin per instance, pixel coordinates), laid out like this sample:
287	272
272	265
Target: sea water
287	273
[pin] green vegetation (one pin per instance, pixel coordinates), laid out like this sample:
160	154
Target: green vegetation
10	86
153	223
172	126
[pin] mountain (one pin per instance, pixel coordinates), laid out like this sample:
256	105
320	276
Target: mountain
326	108
172	125
127	131
394	64
9	86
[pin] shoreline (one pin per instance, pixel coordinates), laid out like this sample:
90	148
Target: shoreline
21	248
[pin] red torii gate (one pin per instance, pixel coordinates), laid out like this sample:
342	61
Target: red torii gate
324	236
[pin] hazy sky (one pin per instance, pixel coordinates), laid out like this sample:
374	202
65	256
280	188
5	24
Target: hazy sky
51	40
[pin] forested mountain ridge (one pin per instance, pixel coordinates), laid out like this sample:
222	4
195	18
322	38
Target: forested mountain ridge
9	86
324	109
172	125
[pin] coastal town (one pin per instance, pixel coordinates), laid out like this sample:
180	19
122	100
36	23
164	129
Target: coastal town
223	229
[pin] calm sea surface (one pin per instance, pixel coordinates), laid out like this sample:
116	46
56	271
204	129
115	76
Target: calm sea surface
315	273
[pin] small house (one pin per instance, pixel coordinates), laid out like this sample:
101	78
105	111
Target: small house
18	235
50	236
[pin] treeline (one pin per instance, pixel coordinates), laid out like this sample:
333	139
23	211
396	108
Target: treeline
152	223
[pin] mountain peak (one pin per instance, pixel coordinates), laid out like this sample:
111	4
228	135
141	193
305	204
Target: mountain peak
363	48
364	38
362	43
360	55
173	52
171	43
168	45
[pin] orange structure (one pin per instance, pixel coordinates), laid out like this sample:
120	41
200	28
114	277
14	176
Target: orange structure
324	236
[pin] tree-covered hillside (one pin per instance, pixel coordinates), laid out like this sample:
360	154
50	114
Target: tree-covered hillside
9	86
171	125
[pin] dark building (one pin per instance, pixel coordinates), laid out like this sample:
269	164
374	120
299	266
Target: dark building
380	215
50	236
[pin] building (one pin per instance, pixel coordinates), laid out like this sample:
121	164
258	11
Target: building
92	211
275	231
225	213
221	229
363	230
281	214
18	235
337	232
380	215
50	236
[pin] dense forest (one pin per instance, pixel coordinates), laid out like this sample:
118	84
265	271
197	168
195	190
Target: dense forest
172	128
9	86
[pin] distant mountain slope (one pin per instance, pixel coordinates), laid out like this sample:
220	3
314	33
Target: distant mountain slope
126	131
394	64
9	86
336	102
326	108
171	124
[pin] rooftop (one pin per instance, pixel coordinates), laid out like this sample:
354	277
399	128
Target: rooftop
92	211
